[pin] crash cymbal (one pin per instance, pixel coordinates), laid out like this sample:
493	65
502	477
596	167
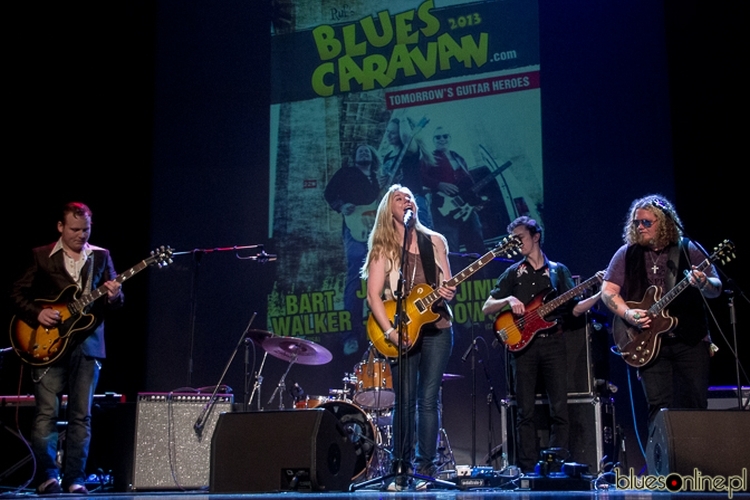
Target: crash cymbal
258	336
451	376
306	351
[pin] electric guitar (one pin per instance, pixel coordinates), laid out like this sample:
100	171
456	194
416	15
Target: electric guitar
638	346
42	346
460	209
418	304
517	332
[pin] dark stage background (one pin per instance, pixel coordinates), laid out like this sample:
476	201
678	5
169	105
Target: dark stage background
156	115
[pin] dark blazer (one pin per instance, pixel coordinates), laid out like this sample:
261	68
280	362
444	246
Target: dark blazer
46	277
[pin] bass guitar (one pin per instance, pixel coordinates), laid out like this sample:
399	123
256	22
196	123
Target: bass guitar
41	346
418	304
639	346
517	332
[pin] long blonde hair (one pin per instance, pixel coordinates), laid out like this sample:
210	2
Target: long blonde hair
384	241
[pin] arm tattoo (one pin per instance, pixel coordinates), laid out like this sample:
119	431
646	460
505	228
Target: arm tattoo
608	299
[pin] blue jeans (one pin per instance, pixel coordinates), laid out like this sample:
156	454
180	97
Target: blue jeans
425	364
678	378
545	355
79	374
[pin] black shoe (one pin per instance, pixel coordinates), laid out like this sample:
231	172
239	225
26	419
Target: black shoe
49	487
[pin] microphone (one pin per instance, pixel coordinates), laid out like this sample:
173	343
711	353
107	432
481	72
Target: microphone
468	350
408	217
264	257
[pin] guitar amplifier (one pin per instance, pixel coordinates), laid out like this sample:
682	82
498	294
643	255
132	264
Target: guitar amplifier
169	453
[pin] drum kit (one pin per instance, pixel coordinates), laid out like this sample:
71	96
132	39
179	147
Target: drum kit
363	406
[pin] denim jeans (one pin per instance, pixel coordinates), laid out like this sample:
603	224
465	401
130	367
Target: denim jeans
79	375
545	355
425	365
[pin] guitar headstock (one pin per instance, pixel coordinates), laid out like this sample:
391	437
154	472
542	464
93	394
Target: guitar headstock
161	256
509	246
723	252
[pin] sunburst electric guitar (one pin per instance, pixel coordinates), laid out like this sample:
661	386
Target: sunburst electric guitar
516	332
639	346
41	346
418	304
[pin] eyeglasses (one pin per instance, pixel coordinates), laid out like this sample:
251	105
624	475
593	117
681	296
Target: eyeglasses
643	222
442	136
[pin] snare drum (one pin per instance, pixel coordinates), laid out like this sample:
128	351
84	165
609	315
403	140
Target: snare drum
310	402
374	388
361	431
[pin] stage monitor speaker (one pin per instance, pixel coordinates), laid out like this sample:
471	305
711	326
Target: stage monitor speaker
295	450
169	453
713	441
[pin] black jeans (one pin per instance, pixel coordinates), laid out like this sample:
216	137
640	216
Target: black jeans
545	355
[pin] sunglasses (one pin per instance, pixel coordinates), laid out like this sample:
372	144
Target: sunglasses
643	222
443	136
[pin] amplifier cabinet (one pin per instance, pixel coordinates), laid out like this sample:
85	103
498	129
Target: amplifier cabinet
592	429
169	453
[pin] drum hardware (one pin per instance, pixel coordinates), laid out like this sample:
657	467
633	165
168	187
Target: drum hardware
446	461
254	338
294	350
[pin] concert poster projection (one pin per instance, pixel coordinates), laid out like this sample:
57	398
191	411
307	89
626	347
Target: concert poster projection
442	97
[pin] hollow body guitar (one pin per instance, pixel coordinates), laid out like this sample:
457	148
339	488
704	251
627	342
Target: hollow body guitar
41	346
640	346
418	304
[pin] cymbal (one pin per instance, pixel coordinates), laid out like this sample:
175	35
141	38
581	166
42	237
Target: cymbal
258	336
307	352
451	376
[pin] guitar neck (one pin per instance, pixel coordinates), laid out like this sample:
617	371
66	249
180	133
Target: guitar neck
465	274
668	297
562	299
88	298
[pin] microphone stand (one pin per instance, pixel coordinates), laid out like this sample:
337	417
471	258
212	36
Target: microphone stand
208	407
198	254
472	349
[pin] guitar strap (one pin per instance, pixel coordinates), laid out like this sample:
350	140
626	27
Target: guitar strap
553	274
670	280
427	255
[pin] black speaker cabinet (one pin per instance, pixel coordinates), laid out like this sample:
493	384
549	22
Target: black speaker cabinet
169	453
294	450
713	441
592	429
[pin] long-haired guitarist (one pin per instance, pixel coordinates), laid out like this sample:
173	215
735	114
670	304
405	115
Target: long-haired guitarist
655	253
71	261
532	278
427	262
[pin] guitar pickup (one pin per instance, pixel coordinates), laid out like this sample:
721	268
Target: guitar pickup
420	306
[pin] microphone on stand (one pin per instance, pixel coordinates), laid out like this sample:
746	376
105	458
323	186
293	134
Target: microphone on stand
408	217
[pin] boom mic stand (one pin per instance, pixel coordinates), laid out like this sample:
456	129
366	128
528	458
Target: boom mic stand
201	422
